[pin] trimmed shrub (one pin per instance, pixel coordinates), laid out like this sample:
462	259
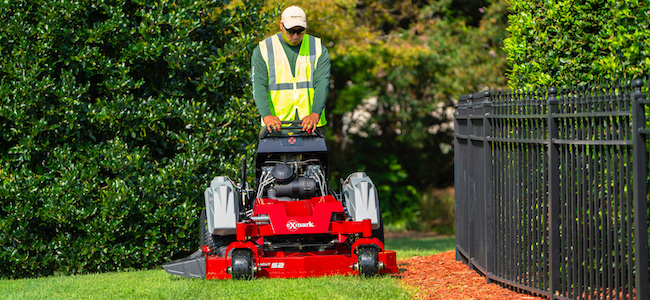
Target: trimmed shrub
572	42
114	116
393	93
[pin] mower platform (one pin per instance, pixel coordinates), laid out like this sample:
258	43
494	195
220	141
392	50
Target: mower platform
291	239
298	265
291	224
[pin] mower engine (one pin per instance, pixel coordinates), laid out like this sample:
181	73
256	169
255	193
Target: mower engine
292	179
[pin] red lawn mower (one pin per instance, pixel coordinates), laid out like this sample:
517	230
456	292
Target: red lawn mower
292	224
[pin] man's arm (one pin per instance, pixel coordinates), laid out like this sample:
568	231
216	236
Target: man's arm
321	89
260	78
321	82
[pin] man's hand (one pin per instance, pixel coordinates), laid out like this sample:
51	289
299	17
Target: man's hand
309	122
273	123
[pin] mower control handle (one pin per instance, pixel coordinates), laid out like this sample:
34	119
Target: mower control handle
295	124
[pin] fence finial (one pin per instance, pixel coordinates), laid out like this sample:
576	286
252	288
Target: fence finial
637	84
552	95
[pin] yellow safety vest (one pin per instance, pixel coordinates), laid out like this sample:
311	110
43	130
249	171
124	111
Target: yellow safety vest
288	94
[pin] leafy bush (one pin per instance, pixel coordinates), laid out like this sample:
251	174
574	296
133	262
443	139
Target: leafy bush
572	42
113	118
396	68
392	102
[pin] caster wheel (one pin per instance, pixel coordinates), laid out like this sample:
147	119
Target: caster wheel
242	264
368	261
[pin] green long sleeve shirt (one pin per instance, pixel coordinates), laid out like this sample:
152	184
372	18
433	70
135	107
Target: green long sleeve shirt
261	78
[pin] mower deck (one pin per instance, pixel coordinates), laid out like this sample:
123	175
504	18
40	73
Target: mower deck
299	265
278	219
311	217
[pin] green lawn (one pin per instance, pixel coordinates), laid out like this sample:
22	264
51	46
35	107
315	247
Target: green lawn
408	247
156	284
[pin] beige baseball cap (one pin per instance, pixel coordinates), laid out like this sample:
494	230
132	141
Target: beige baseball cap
294	16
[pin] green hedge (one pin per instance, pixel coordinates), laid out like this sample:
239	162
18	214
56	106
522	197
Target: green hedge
114	115
401	85
571	42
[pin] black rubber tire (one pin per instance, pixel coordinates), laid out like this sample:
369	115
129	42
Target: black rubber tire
213	241
379	232
206	235
242	264
368	261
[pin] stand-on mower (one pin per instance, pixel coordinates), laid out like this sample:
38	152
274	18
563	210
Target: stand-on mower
292	224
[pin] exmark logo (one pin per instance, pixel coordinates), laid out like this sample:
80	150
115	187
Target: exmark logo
293	225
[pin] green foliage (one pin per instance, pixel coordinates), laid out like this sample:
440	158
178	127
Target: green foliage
571	42
437	208
393	99
396	68
113	117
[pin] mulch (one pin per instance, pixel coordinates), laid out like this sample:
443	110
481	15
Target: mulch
440	276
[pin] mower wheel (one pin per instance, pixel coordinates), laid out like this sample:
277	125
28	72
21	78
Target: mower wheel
212	240
379	232
368	261
242	264
206	236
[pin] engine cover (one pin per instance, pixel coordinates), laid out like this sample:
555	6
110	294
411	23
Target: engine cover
361	198
222	206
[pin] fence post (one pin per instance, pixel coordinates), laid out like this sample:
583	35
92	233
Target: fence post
457	172
553	194
487	175
639	171
460	175
469	183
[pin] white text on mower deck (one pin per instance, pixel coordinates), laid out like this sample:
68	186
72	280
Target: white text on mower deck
293	225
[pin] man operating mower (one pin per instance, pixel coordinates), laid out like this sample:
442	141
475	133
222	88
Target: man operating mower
290	73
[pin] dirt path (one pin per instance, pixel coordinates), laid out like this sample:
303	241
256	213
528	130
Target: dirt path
442	277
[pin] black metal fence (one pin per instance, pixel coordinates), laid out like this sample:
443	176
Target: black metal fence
552	189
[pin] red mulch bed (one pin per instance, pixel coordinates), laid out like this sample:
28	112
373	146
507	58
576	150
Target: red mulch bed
442	277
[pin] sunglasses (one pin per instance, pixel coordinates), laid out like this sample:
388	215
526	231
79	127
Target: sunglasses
293	31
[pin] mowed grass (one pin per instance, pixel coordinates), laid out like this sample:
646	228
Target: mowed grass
157	284
423	246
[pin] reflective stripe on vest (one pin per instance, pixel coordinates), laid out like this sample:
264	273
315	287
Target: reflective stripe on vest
290	94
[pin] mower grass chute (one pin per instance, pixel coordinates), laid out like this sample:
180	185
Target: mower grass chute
291	223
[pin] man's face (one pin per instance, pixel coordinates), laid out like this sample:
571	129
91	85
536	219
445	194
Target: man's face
292	36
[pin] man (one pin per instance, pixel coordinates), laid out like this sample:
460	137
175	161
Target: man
291	72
